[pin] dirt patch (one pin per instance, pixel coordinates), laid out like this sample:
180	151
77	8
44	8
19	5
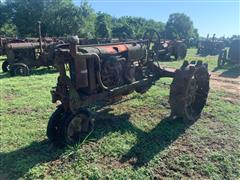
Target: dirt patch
111	162
225	84
8	97
23	110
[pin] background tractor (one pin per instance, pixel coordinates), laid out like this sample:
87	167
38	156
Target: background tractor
22	57
210	46
231	55
165	50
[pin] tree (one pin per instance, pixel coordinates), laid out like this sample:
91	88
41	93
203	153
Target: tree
88	17
179	26
122	32
3	15
25	14
61	18
103	25
140	25
7	28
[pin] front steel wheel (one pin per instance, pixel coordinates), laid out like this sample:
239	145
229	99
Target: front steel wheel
53	128
5	66
76	128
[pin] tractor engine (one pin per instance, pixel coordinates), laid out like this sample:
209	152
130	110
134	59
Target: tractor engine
117	70
101	67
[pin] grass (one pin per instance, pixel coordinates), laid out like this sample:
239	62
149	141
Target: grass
134	139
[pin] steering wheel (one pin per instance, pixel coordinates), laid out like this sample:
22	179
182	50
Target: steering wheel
153	38
153	43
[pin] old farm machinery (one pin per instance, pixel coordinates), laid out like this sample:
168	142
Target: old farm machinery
30	53
165	50
210	46
103	73
231	55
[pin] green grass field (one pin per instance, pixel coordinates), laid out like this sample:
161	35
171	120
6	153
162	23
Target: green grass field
134	139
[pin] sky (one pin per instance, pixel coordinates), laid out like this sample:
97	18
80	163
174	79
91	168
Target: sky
209	16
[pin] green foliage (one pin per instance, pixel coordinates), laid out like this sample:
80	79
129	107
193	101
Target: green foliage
3	14
103	25
123	32
180	26
25	14
8	29
88	17
138	25
61	18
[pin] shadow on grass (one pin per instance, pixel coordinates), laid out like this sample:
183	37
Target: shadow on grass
233	72
17	163
34	72
149	143
230	71
42	71
5	75
155	141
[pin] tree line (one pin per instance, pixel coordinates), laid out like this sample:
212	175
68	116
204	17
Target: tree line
63	17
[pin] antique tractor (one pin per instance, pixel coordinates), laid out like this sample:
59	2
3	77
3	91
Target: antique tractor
22	57
166	50
231	55
25	54
104	73
210	46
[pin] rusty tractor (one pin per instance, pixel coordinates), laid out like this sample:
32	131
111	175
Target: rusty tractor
166	50
22	57
231	55
210	47
30	53
105	73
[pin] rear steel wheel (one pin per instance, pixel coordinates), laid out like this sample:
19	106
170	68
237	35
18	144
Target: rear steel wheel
19	69
189	91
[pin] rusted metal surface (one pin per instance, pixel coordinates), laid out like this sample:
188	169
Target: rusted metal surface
24	45
103	73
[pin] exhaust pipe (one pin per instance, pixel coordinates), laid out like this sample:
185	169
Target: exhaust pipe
40	36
